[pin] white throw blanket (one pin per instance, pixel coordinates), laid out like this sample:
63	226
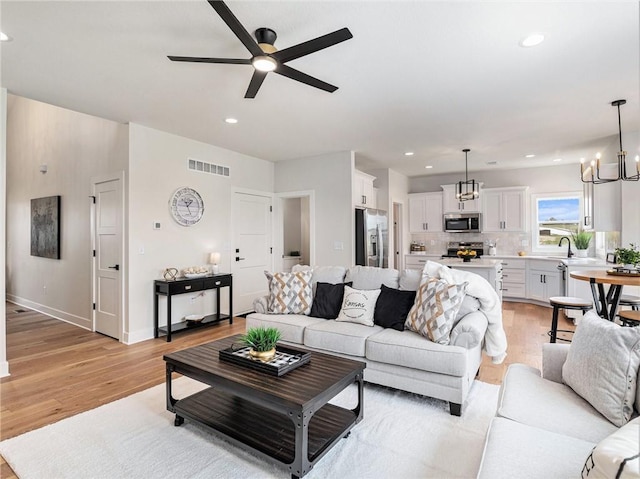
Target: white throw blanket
495	339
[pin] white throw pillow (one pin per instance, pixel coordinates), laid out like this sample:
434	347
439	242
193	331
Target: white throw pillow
617	456
602	366
289	293
358	305
435	309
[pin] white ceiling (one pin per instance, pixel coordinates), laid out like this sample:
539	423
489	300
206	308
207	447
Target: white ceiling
430	77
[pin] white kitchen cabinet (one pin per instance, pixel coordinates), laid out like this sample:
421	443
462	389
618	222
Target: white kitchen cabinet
543	280
587	206
289	262
451	204
364	194
504	209
425	212
514	278
581	289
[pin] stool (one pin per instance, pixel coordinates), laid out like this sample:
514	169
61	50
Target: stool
565	302
630	300
629	318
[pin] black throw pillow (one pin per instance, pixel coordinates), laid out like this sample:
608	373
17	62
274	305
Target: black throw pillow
328	300
392	307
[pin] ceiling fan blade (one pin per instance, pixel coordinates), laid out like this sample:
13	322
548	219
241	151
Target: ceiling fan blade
233	61
256	81
312	46
236	27
294	74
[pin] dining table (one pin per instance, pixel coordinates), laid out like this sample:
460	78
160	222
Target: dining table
606	302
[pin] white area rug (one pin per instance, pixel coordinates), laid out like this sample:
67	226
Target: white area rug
402	435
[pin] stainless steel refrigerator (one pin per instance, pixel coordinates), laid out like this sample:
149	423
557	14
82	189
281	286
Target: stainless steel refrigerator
372	238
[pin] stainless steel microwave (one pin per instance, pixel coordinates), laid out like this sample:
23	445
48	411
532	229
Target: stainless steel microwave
462	223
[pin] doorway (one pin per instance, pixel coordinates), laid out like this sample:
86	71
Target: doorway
107	218
251	252
295	224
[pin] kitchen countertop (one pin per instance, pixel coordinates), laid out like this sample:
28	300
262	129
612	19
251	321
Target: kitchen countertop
567	261
474	263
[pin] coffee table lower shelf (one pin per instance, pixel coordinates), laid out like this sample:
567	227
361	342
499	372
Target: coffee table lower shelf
273	434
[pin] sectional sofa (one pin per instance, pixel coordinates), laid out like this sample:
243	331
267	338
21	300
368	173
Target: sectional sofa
544	429
399	359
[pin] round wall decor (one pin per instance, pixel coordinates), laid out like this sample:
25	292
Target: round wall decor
186	206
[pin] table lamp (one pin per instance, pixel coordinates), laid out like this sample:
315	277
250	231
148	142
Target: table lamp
214	259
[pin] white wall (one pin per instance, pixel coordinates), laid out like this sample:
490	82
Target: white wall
630	195
158	166
306	229
4	365
540	180
330	177
75	147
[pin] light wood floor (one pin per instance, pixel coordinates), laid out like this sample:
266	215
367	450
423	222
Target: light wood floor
59	370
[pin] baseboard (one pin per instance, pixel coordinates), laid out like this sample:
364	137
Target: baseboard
54	313
137	336
4	369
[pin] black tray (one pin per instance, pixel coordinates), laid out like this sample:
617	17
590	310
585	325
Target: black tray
286	359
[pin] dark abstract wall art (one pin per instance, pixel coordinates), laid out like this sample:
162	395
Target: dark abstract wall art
45	227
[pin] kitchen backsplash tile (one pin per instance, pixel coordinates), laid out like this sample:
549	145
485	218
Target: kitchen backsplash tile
506	243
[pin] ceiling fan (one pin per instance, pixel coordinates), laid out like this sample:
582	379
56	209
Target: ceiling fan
265	57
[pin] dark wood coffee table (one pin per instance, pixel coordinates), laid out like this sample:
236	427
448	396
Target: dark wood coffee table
284	419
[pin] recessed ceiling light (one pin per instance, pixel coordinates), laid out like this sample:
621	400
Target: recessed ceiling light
409	153
557	159
428	167
530	156
532	40
4	37
231	121
492	162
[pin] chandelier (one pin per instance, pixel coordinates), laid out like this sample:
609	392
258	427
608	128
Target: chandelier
591	174
468	189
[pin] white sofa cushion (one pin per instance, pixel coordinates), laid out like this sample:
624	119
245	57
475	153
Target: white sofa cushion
602	366
616	456
369	277
515	450
358	305
410	279
409	349
343	338
527	398
291	326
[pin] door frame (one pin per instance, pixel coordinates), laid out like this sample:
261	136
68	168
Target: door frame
397	220
278	246
120	176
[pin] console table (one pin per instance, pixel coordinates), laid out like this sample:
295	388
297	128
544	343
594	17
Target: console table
172	287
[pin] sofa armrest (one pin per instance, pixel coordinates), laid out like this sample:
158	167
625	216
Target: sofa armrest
260	305
469	332
553	357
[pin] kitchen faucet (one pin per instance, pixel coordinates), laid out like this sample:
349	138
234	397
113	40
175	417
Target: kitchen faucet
569	252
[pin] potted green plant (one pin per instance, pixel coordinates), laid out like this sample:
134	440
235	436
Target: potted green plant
581	241
629	257
262	342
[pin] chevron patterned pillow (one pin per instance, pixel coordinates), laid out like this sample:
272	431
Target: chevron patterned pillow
435	308
289	293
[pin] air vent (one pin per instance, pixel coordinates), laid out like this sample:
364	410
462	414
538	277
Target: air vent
210	168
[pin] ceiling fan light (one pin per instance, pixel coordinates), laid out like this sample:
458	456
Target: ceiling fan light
264	63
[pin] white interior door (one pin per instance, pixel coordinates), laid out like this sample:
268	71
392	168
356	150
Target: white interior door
108	257
251	251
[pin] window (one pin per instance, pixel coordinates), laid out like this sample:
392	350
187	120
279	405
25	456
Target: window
555	216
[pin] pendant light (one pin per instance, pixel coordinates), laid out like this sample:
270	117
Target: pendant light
591	174
467	190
